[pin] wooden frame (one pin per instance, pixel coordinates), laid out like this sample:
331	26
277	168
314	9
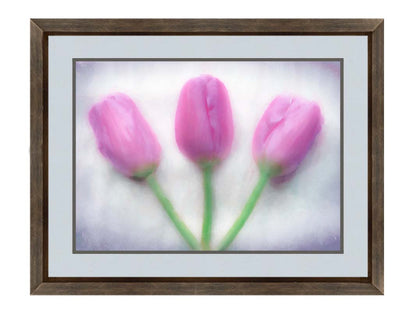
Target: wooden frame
41	283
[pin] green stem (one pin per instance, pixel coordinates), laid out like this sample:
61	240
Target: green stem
166	204
207	224
248	208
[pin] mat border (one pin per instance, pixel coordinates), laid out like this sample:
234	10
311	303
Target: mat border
41	283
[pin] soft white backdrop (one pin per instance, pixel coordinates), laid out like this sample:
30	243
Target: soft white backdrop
115	213
399	154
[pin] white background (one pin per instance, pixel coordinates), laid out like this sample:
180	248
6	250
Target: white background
400	213
301	214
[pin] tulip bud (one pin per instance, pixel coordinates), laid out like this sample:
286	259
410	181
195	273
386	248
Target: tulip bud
203	123
124	137
285	134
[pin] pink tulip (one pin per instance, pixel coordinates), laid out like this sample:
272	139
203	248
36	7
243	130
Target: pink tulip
204	125
124	137
285	134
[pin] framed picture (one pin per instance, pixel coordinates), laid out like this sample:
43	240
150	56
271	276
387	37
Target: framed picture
207	156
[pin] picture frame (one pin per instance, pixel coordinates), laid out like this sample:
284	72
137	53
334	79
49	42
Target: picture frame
43	284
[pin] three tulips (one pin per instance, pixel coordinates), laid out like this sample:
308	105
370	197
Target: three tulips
204	133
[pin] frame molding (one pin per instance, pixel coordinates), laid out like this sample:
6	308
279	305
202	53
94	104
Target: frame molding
42	284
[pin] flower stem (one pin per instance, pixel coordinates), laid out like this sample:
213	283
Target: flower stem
207	223
166	204
248	208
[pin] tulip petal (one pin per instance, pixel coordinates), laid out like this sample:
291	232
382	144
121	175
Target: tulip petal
286	132
123	135
203	123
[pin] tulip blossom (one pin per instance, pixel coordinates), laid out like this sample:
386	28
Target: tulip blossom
204	132
203	124
125	138
285	134
281	141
